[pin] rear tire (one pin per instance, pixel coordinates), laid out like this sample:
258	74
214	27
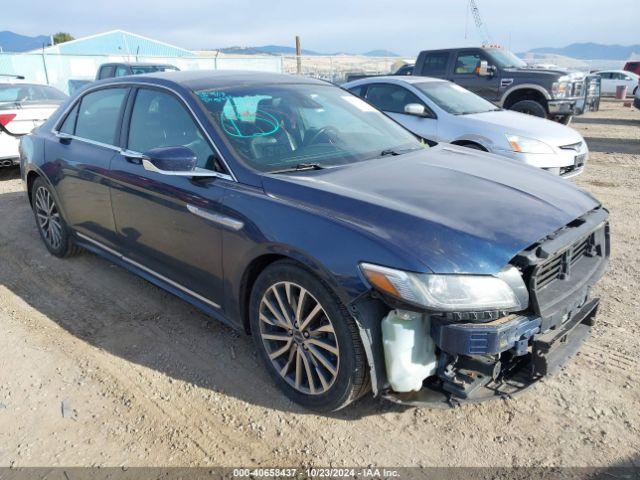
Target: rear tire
53	230
312	347
530	107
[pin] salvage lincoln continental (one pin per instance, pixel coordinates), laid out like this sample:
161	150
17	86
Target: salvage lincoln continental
357	257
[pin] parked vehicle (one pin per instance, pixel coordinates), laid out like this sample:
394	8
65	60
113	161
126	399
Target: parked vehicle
406	69
612	79
636	99
357	258
110	70
501	77
23	106
633	67
441	111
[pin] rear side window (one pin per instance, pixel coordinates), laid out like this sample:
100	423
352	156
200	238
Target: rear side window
107	71
357	91
159	119
121	71
390	98
99	115
435	64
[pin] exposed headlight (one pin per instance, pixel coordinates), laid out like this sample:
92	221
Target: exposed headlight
527	145
561	88
451	293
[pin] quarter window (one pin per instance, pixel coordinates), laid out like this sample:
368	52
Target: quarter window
99	115
160	120
391	98
467	63
69	124
435	64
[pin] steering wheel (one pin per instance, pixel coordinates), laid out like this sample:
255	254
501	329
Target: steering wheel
331	133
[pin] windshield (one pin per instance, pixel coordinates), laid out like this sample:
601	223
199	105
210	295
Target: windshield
506	59
140	69
454	99
279	127
25	92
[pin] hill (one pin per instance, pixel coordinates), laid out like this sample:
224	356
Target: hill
588	51
14	42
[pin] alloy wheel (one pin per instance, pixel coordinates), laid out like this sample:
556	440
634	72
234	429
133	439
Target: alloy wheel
49	220
299	338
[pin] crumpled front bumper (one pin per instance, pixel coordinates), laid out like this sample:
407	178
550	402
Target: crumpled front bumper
548	352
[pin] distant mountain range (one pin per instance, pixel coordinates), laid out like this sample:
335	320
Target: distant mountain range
282	50
13	42
592	51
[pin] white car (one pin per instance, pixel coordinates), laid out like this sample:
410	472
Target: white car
23	106
441	111
612	79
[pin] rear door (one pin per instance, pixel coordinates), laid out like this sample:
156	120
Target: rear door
81	154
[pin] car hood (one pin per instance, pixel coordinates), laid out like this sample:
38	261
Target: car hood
446	209
506	121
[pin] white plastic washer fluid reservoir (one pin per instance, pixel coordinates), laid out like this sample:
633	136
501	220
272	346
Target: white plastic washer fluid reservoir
409	350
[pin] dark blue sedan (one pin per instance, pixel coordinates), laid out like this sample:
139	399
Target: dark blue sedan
357	257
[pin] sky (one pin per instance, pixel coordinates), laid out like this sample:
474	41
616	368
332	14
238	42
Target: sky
329	26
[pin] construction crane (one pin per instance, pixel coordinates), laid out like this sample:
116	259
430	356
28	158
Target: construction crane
480	26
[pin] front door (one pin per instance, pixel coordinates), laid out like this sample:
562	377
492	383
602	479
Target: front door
465	74
392	99
83	149
169	224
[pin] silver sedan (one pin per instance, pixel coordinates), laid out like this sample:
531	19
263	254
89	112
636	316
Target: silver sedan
442	111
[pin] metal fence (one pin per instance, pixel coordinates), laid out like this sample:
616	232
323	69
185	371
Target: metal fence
69	72
337	68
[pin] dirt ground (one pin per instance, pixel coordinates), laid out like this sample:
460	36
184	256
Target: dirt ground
99	367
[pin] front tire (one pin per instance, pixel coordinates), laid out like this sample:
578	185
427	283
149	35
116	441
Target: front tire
530	107
306	339
51	226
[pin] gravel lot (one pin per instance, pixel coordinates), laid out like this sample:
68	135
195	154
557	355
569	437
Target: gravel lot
99	367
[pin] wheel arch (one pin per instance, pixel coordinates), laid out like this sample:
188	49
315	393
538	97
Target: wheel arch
274	254
525	92
463	142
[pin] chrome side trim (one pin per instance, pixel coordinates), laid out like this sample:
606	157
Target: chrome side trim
56	127
148	270
67	136
223	220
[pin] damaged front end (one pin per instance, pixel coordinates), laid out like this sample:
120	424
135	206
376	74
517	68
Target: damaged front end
454	356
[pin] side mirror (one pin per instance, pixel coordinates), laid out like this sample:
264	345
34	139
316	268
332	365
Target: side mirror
485	70
415	109
176	161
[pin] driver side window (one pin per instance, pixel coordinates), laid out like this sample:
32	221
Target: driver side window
159	120
391	98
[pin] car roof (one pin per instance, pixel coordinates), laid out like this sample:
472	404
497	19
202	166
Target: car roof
212	79
397	79
137	64
613	71
25	84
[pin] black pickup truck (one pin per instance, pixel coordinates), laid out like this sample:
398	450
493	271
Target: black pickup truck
504	79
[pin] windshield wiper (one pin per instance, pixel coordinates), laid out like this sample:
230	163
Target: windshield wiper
300	167
396	151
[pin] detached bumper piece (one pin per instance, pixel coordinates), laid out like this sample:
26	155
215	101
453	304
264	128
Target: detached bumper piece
470	379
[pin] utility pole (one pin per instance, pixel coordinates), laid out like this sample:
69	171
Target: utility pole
298	56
